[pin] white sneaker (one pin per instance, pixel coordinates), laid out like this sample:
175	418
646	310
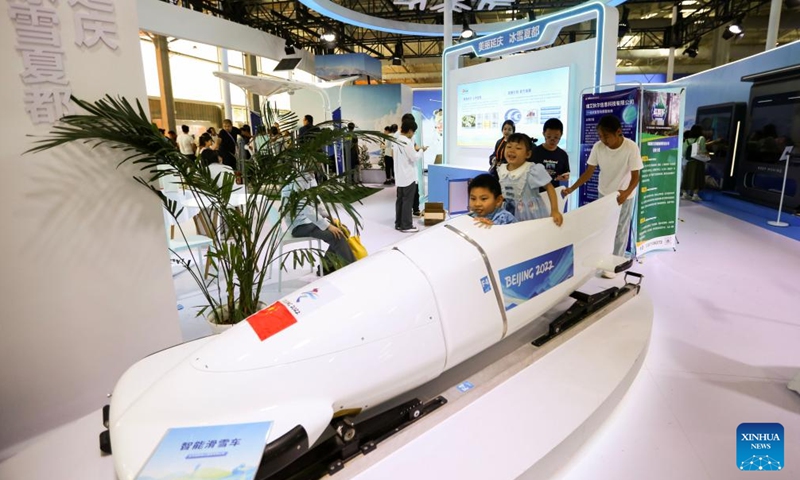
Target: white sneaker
609	274
410	230
696	198
685	196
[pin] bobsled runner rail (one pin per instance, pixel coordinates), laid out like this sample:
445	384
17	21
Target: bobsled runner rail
287	458
585	305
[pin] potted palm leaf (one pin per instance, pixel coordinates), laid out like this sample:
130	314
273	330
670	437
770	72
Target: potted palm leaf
245	239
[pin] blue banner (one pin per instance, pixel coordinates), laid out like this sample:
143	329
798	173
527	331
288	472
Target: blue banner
624	104
525	280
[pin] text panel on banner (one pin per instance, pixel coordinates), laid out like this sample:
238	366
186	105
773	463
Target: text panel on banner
624	104
657	209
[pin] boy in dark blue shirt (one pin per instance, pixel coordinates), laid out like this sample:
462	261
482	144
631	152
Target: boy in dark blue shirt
554	159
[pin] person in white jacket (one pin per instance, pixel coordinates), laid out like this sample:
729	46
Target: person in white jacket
405	176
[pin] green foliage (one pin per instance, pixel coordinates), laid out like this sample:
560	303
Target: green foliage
245	240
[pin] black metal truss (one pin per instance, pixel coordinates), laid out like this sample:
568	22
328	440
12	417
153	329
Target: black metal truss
293	21
706	17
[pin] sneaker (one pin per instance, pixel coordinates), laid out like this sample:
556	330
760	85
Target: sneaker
387	182
609	274
410	230
416	213
685	196
696	198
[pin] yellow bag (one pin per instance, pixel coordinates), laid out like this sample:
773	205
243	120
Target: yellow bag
353	240
355	245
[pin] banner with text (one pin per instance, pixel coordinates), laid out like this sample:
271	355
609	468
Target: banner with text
624	104
657	208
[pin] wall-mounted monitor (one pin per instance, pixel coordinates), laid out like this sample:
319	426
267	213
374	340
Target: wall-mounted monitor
528	99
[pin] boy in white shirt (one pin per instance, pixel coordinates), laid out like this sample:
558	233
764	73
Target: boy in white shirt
620	164
405	176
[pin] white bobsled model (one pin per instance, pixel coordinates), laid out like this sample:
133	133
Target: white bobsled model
362	335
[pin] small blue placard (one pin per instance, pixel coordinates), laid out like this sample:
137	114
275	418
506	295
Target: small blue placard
759	447
485	284
465	386
222	452
525	280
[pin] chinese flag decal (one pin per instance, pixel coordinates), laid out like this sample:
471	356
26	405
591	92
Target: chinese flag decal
271	320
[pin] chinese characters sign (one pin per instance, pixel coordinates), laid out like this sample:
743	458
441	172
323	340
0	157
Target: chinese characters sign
38	40
214	451
502	40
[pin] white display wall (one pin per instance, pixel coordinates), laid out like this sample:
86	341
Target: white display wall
86	288
579	57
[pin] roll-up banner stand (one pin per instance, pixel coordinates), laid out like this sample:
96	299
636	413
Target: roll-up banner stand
624	104
656	219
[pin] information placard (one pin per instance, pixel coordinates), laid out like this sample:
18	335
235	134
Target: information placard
215	451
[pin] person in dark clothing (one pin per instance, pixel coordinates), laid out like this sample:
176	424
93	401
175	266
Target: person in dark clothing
226	145
554	159
307	128
352	145
498	155
386	151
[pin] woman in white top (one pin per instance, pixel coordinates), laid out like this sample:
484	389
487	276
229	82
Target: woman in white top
694	175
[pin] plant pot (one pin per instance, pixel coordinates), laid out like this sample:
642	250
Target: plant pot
218	312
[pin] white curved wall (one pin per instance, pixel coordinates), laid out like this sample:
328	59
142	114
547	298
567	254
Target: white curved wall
85	286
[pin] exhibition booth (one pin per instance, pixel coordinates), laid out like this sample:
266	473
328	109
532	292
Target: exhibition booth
480	354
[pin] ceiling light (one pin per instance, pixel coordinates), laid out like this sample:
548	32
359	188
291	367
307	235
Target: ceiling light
735	29
289	46
397	56
328	36
466	32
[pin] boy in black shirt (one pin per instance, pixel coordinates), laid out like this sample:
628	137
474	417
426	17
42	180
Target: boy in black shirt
555	160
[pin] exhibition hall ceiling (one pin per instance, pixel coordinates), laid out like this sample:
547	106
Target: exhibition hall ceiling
646	30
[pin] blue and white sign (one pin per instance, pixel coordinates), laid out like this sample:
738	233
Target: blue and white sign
217	451
486	285
465	386
525	280
524	35
759	447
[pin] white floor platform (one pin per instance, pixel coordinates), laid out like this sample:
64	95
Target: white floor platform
725	342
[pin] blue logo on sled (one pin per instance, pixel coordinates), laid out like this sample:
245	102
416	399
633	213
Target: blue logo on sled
759	447
485	284
523	281
464	386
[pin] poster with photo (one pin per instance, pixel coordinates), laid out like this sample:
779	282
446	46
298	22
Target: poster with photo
657	206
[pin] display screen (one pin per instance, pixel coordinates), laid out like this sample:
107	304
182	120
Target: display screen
774	125
716	124
528	99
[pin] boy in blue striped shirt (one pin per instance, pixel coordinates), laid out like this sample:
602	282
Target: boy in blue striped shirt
486	202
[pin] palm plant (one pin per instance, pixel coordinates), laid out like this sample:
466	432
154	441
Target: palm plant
245	240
